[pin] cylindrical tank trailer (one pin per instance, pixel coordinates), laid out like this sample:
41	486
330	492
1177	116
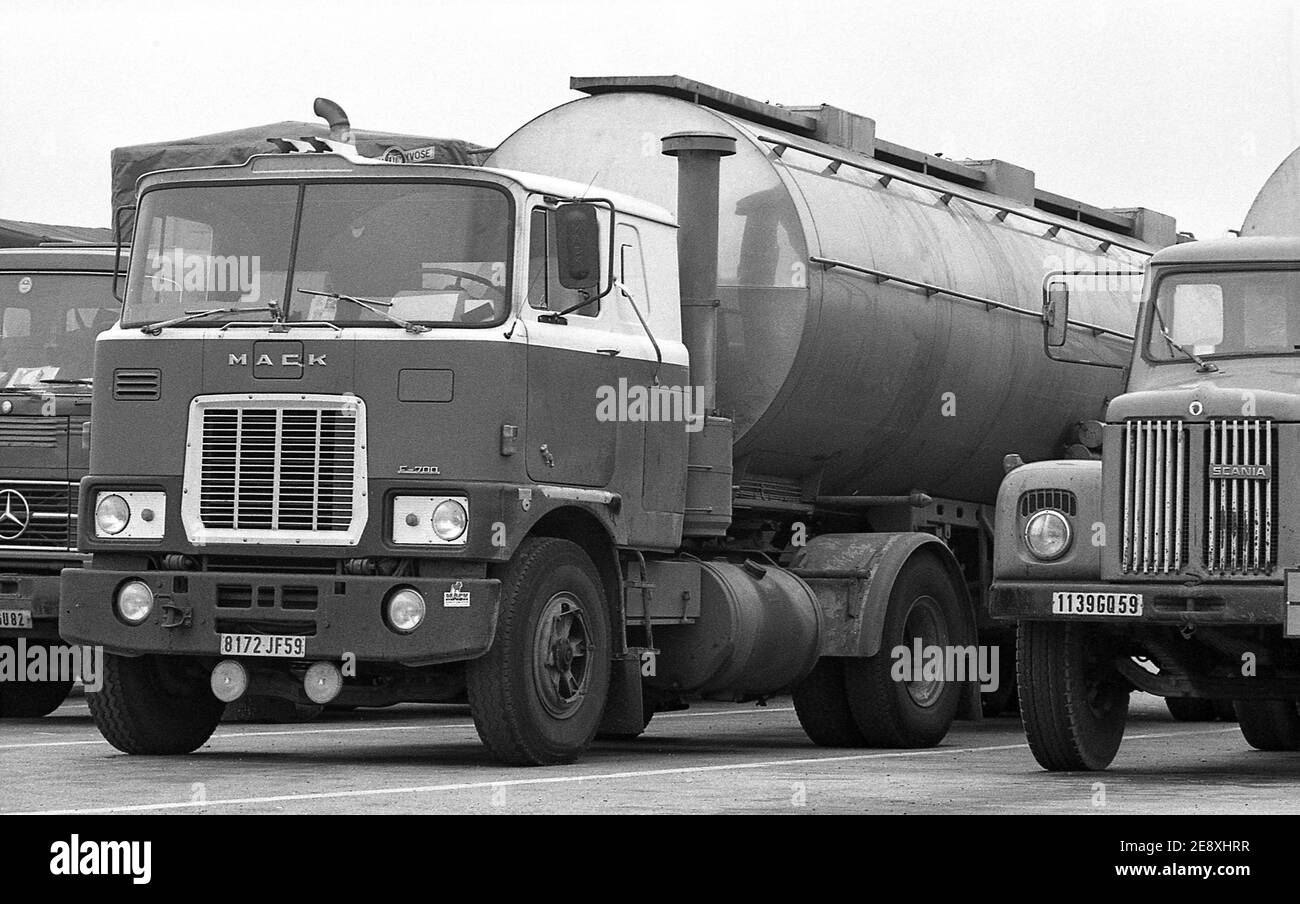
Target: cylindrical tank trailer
835	354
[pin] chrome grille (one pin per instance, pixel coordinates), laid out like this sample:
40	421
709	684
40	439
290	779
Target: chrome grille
276	469
1240	497
37	515
1154	503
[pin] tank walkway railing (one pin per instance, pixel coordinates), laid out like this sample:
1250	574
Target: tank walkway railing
946	195
930	289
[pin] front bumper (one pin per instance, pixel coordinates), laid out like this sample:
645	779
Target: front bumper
338	614
1166	604
37	594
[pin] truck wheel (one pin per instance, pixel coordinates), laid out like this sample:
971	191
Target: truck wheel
822	705
1269	724
31	699
156	705
537	697
909	713
1072	700
1191	709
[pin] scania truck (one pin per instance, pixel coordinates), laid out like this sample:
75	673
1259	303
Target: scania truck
681	395
1172	564
54	300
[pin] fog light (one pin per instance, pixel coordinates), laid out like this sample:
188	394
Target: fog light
323	682
405	610
1047	535
229	681
449	520
111	515
134	602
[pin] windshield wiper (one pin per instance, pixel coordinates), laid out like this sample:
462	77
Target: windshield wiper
153	329
1205	367
70	381
374	307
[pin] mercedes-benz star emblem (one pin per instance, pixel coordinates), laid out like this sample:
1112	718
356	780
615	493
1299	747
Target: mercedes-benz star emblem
16	514
1195	408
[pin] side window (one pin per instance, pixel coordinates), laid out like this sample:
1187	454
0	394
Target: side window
631	269
544	290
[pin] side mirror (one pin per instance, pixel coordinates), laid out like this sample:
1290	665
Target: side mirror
577	245
1056	313
118	231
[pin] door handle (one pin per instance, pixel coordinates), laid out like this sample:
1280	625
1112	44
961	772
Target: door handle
612	352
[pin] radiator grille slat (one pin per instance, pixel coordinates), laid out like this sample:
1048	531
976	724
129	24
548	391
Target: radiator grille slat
1154	497
1240	497
36	515
266	467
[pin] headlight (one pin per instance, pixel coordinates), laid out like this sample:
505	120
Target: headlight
430	520
112	514
134	602
1048	535
404	610
449	520
131	515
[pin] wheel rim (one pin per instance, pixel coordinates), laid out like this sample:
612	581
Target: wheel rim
562	655
925	621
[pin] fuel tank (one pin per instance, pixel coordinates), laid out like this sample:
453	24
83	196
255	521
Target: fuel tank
878	386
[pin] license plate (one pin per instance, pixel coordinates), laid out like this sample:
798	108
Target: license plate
15	618
276	645
1067	603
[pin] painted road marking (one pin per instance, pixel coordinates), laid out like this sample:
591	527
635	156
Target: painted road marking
287	732
569	779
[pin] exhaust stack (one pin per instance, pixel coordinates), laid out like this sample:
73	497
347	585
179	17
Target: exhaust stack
332	113
698	155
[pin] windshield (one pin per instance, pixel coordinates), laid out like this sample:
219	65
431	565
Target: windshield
431	253
1220	314
48	325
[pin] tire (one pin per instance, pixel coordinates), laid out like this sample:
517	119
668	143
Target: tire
531	709
155	705
1072	701
822	705
1269	724
1191	709
891	713
31	699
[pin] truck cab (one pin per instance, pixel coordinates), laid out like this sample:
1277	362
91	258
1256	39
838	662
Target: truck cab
54	301
341	392
1170	564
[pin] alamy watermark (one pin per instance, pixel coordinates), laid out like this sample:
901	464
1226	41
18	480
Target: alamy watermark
185	272
636	403
922	662
44	662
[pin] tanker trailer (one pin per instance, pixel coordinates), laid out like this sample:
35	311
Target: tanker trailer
523	433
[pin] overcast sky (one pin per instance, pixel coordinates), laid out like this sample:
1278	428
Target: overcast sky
1185	107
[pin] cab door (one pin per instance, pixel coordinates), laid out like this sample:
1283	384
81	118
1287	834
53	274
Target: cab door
571	366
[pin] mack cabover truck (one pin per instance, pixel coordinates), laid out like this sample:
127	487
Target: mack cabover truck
681	396
54	300
1171	565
